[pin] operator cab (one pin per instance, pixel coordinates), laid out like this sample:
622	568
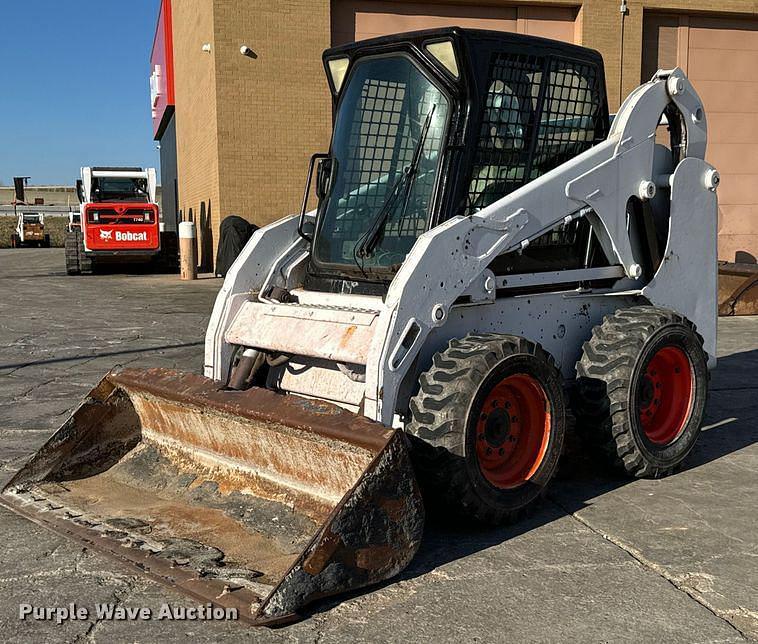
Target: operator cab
103	184
436	124
119	189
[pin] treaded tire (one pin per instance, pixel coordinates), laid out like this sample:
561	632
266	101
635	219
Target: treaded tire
610	397
444	425
71	249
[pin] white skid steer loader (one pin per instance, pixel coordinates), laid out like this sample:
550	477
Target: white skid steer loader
484	241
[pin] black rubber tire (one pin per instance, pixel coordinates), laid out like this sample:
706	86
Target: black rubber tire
609	386
46	243
71	249
443	425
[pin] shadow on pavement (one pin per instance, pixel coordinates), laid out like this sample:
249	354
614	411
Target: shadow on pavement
105	354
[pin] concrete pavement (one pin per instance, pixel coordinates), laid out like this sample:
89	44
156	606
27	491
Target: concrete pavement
603	559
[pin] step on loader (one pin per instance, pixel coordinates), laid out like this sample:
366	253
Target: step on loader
489	256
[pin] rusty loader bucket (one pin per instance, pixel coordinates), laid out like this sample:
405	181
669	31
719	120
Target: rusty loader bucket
251	500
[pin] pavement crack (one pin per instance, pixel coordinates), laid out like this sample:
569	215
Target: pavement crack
24	394
657	569
119	597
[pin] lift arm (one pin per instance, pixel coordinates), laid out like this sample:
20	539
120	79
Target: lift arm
448	259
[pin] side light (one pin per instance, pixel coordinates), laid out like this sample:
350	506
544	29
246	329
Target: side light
445	53
337	70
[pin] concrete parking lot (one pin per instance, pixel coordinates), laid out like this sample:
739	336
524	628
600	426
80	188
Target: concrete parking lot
603	559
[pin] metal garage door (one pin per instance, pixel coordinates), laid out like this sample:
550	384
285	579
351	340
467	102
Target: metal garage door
720	56
360	19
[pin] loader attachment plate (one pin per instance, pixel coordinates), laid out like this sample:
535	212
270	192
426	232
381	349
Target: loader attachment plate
251	500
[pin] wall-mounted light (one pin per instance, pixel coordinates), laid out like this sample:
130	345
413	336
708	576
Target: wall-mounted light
206	48
247	51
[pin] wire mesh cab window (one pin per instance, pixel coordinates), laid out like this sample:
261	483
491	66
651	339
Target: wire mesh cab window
378	125
503	147
539	111
571	120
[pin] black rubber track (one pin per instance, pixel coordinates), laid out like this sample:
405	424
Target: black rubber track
442	450
71	247
613	359
86	264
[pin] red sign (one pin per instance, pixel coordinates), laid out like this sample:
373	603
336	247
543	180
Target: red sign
127	226
162	70
123	237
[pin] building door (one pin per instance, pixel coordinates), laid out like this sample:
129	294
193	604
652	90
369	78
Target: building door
719	56
361	19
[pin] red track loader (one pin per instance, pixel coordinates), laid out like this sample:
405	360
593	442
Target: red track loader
119	222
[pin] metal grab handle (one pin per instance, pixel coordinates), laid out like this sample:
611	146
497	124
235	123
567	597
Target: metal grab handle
311	164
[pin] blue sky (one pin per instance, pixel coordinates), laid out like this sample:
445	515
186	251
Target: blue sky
75	87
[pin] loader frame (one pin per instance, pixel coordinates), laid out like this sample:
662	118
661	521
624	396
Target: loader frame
445	286
597	184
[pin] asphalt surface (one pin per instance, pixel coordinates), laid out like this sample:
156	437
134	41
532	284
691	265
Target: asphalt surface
603	559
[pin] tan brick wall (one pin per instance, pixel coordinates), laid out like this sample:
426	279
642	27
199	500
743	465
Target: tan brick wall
273	110
246	126
196	118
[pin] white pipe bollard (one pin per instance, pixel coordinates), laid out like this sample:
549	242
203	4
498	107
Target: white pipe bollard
187	251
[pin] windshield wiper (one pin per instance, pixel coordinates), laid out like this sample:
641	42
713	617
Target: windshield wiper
370	239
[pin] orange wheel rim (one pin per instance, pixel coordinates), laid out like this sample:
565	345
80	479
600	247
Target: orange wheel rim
666	395
513	431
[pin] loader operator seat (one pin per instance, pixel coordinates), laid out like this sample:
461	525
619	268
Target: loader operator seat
513	143
505	127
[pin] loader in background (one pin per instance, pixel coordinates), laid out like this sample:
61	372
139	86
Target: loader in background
119	222
484	240
30	231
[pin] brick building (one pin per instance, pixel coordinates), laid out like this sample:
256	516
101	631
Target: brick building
236	129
